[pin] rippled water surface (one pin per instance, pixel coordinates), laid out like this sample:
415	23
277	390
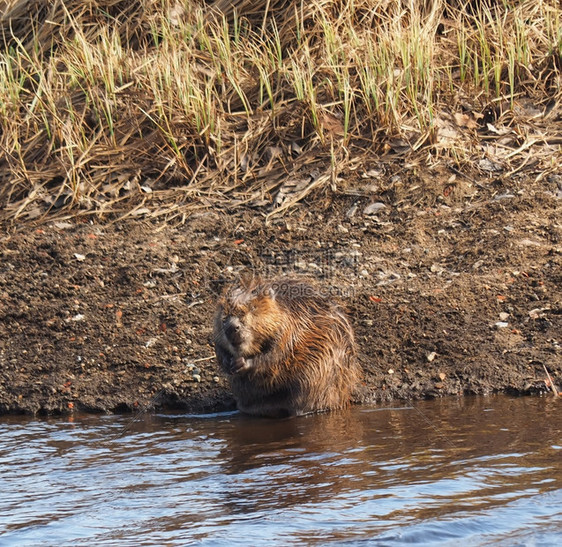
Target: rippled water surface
479	470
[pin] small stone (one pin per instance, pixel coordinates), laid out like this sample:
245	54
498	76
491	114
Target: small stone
63	225
216	379
373	174
529	243
390	371
352	210
488	165
501	324
536	313
431	356
504	316
374	208
197	377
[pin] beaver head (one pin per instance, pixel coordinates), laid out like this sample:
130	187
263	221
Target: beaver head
248	320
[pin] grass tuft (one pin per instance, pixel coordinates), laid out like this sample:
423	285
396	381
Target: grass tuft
115	108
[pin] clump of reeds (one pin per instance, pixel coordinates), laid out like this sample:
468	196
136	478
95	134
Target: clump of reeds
116	107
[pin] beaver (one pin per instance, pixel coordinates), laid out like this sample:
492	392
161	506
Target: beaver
287	349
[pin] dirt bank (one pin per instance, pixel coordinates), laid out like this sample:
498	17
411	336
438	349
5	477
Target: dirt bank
453	286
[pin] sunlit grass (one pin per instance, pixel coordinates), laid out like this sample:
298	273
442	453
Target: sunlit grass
185	97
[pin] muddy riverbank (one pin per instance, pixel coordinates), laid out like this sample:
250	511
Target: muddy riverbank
453	288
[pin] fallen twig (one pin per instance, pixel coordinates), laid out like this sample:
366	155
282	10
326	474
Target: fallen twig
554	390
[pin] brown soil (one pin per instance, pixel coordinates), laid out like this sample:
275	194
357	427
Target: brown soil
454	287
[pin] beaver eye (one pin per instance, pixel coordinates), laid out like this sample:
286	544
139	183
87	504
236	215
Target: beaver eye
242	311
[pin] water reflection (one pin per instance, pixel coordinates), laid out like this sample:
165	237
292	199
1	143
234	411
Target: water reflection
480	469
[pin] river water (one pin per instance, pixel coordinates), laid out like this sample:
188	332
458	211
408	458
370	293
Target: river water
478	470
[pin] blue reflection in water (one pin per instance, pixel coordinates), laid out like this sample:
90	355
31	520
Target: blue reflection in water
480	470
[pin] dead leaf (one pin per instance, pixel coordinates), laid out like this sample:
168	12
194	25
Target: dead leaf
464	120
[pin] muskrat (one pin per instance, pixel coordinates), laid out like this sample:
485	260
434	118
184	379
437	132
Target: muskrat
287	348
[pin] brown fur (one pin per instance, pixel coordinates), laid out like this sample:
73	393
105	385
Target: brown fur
286	348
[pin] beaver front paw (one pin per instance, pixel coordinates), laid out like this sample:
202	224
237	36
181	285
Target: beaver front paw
239	365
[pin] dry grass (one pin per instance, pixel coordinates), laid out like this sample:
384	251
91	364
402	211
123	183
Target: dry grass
154	108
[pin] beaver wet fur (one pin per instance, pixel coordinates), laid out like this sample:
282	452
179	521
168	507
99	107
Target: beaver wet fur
287	348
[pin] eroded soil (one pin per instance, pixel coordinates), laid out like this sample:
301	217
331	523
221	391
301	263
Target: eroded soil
454	287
